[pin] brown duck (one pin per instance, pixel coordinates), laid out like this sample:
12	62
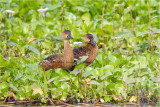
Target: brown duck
64	61
90	49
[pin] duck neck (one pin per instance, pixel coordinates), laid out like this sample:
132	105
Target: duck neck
67	47
88	44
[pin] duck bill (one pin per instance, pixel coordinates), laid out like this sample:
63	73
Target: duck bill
92	42
69	36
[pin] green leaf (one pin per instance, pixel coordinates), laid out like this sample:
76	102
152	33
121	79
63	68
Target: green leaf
13	87
89	71
3	85
51	7
156	30
81	8
111	86
12	43
142	33
106	22
76	71
33	49
57	38
18	76
156	79
41	40
121	35
64	85
108	69
80	66
36	89
94	77
93	82
107	98
52	79
82	59
86	18
77	44
32	78
130	80
103	77
141	74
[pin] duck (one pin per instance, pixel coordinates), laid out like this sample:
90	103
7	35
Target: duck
90	49
64	61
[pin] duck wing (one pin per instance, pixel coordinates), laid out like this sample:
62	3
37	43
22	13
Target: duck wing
78	52
53	61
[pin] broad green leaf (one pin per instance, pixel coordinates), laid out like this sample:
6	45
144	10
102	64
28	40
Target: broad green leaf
108	69
88	71
103	77
52	79
76	71
82	59
111	86
80	66
36	89
107	98
57	38
142	33
33	49
156	79
13	87
93	82
32	78
86	18
81	8
18	76
130	80
106	22
94	77
77	43
3	85
64	85
12	43
156	30
95	71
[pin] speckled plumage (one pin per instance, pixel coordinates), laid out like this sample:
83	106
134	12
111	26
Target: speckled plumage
89	50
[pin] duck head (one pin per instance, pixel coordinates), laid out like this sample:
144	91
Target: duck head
89	39
67	35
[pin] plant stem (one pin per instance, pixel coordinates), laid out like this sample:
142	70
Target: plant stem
95	96
70	85
149	14
113	96
132	28
103	74
42	61
137	93
113	25
0	29
152	43
103	31
85	84
14	51
113	20
79	82
62	19
123	24
51	101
